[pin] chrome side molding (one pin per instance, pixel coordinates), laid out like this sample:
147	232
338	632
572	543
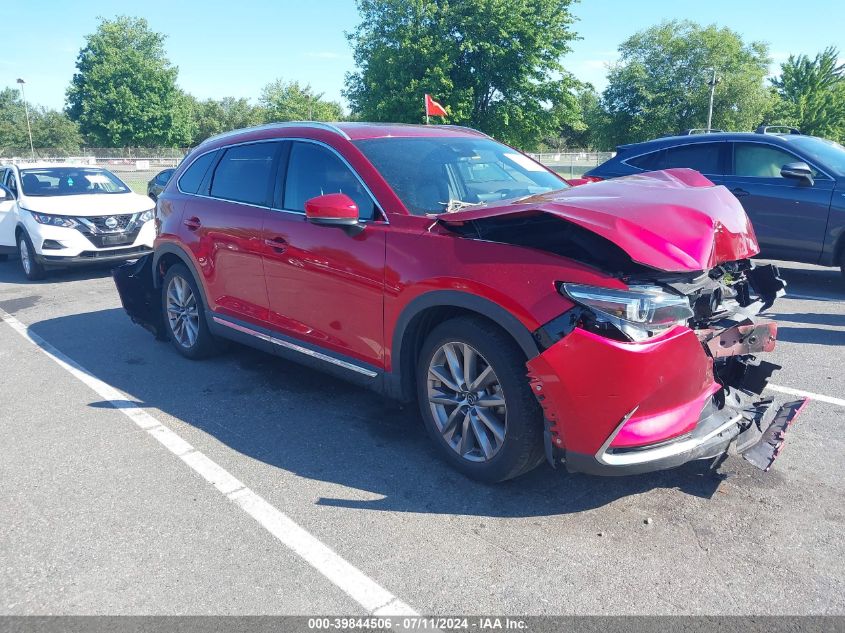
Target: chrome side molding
296	348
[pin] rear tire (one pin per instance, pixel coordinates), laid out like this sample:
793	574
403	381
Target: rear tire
482	415
184	315
32	268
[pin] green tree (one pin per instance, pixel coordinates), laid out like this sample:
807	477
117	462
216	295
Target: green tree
54	130
124	92
582	131
660	84
812	94
214	116
289	101
50	129
494	64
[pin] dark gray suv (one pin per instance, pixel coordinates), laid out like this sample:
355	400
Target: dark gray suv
791	185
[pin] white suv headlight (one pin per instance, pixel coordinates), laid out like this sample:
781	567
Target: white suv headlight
146	216
639	312
54	220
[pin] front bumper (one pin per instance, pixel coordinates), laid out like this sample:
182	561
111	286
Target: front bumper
95	257
619	408
62	246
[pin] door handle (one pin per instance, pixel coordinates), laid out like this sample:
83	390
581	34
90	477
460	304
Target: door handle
739	192
277	244
193	223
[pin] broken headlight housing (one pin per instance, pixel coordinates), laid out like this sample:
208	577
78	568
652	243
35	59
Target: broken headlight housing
639	312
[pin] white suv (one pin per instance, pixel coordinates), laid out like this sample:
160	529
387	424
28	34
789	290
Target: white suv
61	215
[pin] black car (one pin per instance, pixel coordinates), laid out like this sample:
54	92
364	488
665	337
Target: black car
791	185
156	185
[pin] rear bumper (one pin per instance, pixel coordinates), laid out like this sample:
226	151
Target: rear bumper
616	408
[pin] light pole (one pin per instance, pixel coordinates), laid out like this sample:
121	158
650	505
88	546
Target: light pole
712	83
21	82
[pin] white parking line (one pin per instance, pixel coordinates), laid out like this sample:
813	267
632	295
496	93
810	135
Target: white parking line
374	598
791	295
807	394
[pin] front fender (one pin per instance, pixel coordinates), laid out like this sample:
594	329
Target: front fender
402	345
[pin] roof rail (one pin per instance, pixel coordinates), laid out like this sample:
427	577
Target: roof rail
465	129
282	124
765	129
700	130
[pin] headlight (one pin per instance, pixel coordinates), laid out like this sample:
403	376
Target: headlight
54	220
146	216
639	312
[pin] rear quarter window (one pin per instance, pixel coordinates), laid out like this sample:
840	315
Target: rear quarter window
190	181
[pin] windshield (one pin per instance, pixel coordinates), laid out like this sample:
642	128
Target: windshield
437	175
69	181
829	155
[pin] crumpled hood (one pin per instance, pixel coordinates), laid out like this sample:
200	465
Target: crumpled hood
86	205
674	220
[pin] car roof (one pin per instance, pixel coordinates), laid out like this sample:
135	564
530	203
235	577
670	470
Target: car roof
711	137
358	131
350	131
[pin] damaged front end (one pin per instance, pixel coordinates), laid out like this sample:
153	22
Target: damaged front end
662	374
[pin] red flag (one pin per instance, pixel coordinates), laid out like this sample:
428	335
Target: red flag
432	108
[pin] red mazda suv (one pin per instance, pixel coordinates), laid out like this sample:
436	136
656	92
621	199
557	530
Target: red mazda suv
610	327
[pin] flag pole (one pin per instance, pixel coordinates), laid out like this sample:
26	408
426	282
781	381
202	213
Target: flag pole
425	107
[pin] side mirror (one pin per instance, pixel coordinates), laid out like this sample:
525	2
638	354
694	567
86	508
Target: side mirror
332	209
799	170
5	194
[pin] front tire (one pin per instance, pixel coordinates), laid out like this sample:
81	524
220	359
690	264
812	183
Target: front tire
476	401
184	315
32	268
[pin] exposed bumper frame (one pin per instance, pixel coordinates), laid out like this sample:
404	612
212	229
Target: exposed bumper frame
755	428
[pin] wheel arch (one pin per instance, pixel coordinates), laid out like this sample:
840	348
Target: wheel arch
422	314
167	255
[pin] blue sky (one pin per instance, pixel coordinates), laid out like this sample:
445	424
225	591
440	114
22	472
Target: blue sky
234	48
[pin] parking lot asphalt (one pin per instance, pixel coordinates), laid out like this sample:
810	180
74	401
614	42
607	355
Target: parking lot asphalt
98	517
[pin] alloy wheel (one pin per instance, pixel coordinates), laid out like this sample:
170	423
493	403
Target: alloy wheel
26	262
467	402
182	312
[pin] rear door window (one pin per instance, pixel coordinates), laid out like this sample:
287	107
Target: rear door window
705	158
244	174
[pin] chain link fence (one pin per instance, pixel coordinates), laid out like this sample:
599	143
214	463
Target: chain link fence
137	165
134	165
572	164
